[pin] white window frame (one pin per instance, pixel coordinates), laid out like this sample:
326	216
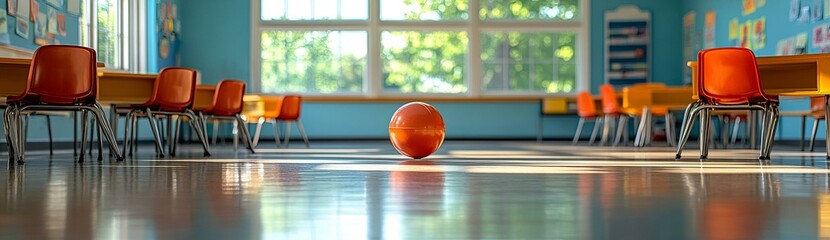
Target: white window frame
474	26
131	33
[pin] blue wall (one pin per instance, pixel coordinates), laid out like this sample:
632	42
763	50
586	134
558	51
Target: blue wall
778	26
216	40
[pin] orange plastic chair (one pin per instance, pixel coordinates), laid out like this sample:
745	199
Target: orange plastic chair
173	93
728	79
290	112
644	132
817	107
587	111
610	109
227	106
61	78
272	106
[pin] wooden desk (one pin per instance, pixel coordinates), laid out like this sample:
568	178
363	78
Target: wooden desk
799	75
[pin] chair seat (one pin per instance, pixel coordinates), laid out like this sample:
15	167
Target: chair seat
155	107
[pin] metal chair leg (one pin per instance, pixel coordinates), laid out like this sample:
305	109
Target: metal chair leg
579	126
705	132
127	131
302	133
813	137
622	126
803	130
154	127
595	130
773	125
84	127
276	132
686	127
670	138
235	135
287	133
202	136
245	134
103	125
736	127
176	137
215	130
259	123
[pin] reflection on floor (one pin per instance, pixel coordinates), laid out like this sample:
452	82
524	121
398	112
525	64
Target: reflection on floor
468	190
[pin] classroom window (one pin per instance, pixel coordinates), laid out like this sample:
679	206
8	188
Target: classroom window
446	47
313	61
112	28
528	62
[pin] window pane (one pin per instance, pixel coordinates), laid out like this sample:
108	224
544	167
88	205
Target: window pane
424	62
109	42
529	9
314	9
423	9
529	62
313	61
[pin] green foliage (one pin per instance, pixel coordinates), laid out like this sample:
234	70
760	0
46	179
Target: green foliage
433	61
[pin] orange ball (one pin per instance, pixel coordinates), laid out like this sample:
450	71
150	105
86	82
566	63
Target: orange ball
416	130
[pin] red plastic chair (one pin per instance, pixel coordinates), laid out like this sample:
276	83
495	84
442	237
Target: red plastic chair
61	78
227	106
290	112
728	79
817	107
587	110
173	93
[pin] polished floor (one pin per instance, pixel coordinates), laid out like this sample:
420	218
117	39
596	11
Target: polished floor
468	190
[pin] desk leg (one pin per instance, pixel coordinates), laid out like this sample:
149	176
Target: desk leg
803	122
827	129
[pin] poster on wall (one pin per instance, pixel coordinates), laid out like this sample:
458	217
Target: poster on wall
795	10
733	29
11	6
821	38
761	3
40	29
818	10
34	9
709	30
23	9
800	44
826	9
748	7
61	24
759	33
4	28
73	7
55	3
689	43
744	35
52	23
22	27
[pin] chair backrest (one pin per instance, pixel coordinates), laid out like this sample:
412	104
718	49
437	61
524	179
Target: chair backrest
585	106
272	106
729	75
227	101
817	104
174	89
290	107
62	74
610	104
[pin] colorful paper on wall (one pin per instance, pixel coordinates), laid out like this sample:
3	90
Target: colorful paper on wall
23	9
4	28
709	30
795	10
11	6
785	46
22	28
34	9
800	44
733	29
52	23
746	35
61	24
805	15
759	33
826	9
761	3
749	7
73	7
40	29
56	3
818	10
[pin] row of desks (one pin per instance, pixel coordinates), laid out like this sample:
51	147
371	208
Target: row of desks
113	87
